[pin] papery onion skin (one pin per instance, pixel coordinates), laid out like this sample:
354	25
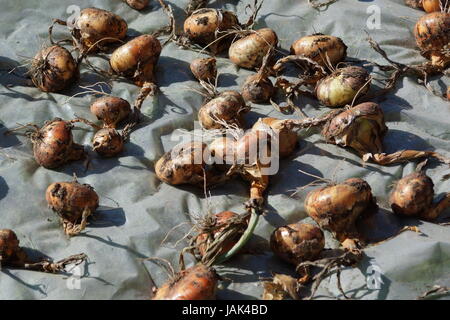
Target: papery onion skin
111	110
412	195
136	59
179	166
336	207
71	199
321	48
229	107
99	27
221	219
257	89
431	5
53	69
108	142
432	33
287	138
223	152
9	244
361	128
341	87
203	26
204	69
195	283
298	242
250	51
53	145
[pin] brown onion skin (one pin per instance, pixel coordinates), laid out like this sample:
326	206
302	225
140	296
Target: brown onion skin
140	53
257	89
229	106
222	219
335	208
432	33
448	93
138	4
340	88
367	124
412	195
297	242
318	47
53	145
53	69
204	69
250	51
71	199
223	151
108	142
201	27
252	146
180	167
95	24
288	139
9	244
110	110
195	283
431	5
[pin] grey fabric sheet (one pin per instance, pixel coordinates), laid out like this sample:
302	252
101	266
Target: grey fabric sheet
137	211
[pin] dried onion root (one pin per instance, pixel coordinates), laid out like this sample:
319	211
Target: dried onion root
337	207
53	69
413	196
73	202
94	29
12	255
362	128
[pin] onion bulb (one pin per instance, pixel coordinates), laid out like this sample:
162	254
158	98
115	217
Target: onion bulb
431	5
325	50
108	142
53	69
138	4
195	283
413	196
432	33
297	242
258	89
9	245
250	51
207	27
337	207
204	69
341	87
110	110
136	59
223	152
228	108
73	202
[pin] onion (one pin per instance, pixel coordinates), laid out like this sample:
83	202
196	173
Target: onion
206	27
226	109
73	202
9	245
337	207
258	89
413	196
195	283
432	33
53	69
416	4
53	144
431	5
137	59
341	87
223	152
108	142
138	4
204	69
110	110
325	50
448	93
250	51
94	28
297	242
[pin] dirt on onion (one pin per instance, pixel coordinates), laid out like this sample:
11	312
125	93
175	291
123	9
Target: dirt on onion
337	207
73	202
413	196
432	33
53	69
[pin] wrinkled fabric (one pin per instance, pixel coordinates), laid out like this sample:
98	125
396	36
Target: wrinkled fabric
137	211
